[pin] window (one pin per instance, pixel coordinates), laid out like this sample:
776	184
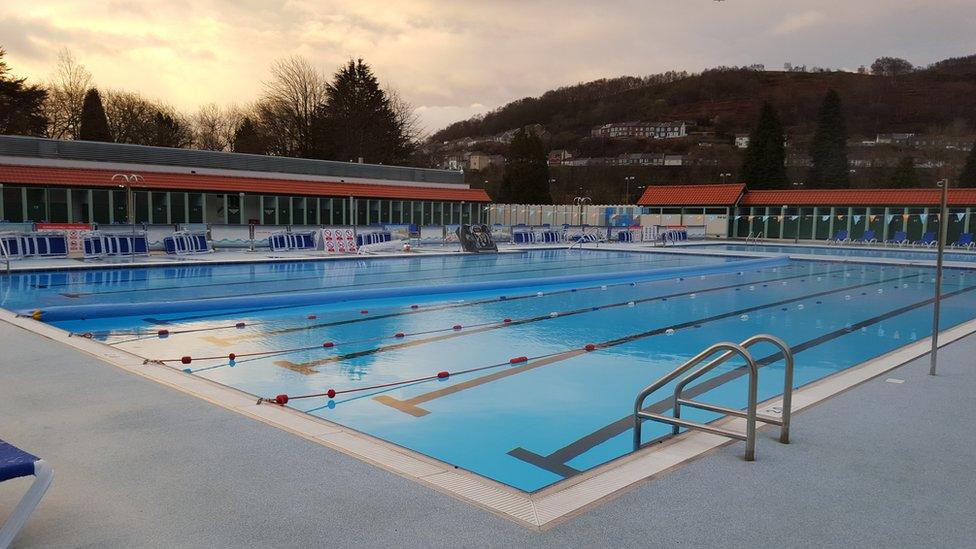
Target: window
36	206
298	210
80	206
284	210
13	204
375	211
160	207
325	211
195	203
233	209
339	208
397	211
418	212
120	206
177	207
362	212
269	210
57	205
100	208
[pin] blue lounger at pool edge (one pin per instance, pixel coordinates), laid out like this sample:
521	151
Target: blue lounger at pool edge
16	463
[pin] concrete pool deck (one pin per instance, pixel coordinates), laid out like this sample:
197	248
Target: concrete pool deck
139	463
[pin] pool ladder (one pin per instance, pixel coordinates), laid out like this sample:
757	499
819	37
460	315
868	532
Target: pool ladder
756	238
750	414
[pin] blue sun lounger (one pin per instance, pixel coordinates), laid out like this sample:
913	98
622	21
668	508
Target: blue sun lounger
965	240
839	236
928	239
899	239
866	238
16	463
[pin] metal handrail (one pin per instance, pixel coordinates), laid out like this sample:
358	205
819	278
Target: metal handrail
783	421
754	238
6	254
750	415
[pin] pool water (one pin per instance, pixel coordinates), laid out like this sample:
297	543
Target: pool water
563	411
906	254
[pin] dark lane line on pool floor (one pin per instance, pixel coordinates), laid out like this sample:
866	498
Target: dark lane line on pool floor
409	405
309	367
557	461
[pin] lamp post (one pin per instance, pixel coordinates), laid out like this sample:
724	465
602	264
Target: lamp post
628	180
125	181
580	201
943	231
724	175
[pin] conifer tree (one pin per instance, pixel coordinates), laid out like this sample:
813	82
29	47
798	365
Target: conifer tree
94	124
526	178
828	151
968	176
764	166
905	175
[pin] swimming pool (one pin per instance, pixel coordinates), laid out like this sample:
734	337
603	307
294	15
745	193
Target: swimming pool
907	254
526	423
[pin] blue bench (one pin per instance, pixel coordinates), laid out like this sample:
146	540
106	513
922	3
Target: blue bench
183	243
292	241
16	463
36	244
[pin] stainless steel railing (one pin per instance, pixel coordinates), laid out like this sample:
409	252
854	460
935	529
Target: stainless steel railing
6	254
750	414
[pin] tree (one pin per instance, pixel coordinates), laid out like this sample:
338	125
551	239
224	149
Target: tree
764	166
21	106
288	109
967	178
66	97
828	151
247	139
905	176
94	124
214	127
359	121
891	66
170	131
526	179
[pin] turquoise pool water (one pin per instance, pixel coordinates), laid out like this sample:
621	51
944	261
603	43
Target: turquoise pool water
906	254
532	423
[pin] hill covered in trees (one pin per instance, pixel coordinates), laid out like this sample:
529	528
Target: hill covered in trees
728	99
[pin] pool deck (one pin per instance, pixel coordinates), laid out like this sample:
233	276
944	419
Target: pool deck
138	463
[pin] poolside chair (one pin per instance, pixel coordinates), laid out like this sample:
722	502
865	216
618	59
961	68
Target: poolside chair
928	240
16	463
899	239
839	237
965	240
866	238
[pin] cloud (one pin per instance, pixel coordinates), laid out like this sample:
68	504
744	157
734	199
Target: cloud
456	58
800	21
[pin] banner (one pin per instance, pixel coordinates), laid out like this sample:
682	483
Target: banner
825	218
923	217
889	217
857	219
960	215
74	231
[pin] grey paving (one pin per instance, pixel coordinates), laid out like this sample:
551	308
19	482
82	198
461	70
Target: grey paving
139	464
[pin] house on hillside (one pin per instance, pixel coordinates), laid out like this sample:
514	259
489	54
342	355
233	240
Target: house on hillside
741	140
894	138
641	130
558	156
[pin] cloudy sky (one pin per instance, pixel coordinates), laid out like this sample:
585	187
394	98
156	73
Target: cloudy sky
455	58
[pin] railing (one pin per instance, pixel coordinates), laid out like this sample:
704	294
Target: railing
585	238
6	254
756	238
750	414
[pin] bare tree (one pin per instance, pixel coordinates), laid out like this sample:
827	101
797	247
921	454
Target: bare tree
139	121
214	127
406	116
288	107
66	95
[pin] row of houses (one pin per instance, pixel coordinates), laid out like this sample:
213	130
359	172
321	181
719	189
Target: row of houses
641	130
563	158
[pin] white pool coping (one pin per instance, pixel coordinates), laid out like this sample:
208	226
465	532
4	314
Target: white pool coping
540	510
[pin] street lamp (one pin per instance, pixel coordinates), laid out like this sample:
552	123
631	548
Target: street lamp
725	175
943	231
628	180
125	181
580	201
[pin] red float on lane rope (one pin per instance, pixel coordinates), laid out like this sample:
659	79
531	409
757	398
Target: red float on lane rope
507	320
186	360
415	306
457	326
399	334
281	400
239	325
231	356
328	344
312	317
443	375
518	360
590	347
331	393
364	311
162	333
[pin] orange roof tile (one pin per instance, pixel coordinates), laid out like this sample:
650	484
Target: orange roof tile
692	195
42	175
857	197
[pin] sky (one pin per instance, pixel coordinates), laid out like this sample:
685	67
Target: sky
457	58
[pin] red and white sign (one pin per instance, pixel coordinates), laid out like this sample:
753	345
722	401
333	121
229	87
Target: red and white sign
74	231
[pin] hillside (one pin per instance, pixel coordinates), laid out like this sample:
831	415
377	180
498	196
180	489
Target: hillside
727	100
